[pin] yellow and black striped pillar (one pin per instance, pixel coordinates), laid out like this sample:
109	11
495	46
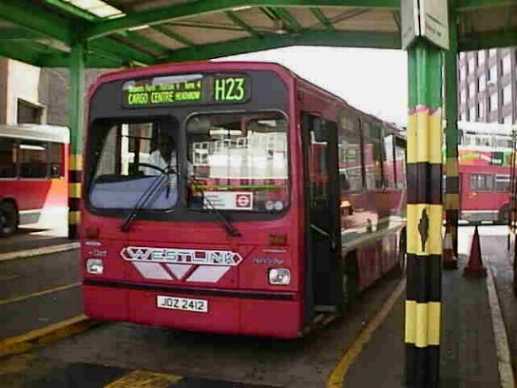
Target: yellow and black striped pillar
424	216
74	195
75	109
452	183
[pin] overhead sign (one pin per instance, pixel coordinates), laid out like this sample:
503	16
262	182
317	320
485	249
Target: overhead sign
425	18
190	89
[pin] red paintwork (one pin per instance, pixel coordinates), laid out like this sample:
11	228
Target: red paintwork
482	200
234	315
38	194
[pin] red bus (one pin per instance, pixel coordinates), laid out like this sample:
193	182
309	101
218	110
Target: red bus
33	176
234	197
484	170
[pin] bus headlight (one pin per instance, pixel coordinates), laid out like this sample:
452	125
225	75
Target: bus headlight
94	266
279	276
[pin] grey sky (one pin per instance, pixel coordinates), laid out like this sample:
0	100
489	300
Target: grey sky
374	81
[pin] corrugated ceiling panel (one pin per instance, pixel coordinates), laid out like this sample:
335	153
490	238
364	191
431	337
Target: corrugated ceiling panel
203	35
497	19
381	21
305	17
256	19
162	39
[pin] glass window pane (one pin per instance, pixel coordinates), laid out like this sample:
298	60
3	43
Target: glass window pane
56	160
240	162
349	155
33	159
8	154
372	157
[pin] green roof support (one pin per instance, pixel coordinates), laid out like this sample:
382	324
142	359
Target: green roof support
309	38
238	21
19	34
177	11
76	119
290	21
116	48
469	5
37	20
451	137
487	40
324	21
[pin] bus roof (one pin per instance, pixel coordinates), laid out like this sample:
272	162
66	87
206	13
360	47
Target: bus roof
39	132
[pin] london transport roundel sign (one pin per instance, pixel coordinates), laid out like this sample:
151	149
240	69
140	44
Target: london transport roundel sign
243	201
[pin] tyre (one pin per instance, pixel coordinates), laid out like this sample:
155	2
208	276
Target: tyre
8	219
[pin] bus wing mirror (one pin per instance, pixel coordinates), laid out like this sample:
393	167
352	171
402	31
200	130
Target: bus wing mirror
319	129
199	126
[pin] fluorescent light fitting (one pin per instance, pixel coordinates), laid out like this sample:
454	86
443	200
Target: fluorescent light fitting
142	27
97	7
242	8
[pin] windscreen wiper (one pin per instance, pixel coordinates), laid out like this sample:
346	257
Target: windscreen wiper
146	196
225	221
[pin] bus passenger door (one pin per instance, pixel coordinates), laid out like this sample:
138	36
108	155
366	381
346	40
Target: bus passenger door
322	224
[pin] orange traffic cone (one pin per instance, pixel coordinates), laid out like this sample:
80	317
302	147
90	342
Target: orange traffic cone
449	258
475	266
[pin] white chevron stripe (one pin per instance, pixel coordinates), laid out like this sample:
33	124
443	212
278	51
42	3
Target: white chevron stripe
209	274
152	271
179	270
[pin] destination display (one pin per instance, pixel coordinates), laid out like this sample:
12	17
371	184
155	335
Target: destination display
191	89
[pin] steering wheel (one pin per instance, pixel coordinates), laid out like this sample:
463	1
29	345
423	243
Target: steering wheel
164	171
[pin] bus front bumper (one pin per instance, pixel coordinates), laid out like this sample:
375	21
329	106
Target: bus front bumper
270	315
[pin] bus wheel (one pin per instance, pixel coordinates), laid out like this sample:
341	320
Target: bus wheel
8	219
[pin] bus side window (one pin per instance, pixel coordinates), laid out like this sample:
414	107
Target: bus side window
372	156
481	182
317	161
33	159
400	163
349	154
56	160
8	152
389	162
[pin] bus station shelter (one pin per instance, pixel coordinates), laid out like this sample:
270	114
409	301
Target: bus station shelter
80	34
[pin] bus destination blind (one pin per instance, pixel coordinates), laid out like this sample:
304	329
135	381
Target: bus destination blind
186	90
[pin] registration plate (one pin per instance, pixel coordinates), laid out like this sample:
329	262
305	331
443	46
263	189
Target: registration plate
185	304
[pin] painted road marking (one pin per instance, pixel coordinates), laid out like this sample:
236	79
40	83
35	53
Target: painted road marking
39	293
144	379
337	376
45	335
38	251
500	336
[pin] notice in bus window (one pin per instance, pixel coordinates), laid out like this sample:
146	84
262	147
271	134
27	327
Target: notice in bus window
225	200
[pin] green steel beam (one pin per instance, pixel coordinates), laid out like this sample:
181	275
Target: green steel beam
19	34
290	21
27	15
189	9
270	41
92	61
21	53
239	22
174	35
469	5
487	40
117	48
451	136
324	21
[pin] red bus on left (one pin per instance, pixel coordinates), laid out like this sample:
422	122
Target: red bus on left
33	176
